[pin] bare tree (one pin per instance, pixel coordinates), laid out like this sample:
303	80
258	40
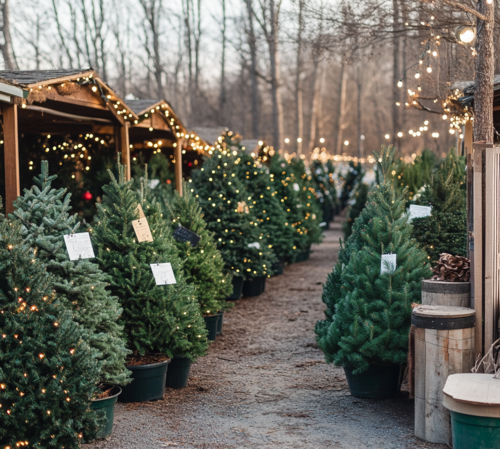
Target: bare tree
298	79
341	110
222	89
252	44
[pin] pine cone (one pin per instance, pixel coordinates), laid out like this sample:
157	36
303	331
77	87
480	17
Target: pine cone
451	268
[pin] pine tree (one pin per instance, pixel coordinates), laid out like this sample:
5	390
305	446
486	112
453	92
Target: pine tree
445	231
203	263
281	174
80	285
161	319
371	319
47	371
324	187
310	206
224	202
266	206
360	196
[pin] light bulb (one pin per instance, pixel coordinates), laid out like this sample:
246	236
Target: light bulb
400	83
417	75
429	69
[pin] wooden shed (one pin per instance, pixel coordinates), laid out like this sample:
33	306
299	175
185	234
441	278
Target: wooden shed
59	102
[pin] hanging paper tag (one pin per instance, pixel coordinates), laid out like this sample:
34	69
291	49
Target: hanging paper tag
153	183
323	224
388	263
181	234
163	273
141	212
419	211
142	231
254	245
79	246
296	187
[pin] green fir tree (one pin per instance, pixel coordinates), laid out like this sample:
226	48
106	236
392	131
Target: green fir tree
225	205
158	319
371	319
81	286
445	231
47	371
203	263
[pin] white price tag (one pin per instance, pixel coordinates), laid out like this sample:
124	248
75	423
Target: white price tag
153	183
388	263
79	246
141	212
254	245
163	273
296	187
419	211
142	231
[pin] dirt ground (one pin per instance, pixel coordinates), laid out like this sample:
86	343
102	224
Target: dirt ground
264	383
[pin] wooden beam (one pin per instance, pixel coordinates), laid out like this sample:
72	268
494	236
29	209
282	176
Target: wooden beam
468	138
11	155
63	79
125	148
178	165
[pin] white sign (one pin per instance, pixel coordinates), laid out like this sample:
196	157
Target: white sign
79	246
296	187
163	273
388	263
254	245
142	231
153	183
419	211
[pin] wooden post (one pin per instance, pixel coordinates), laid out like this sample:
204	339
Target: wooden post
468	138
11	156
125	148
178	165
122	146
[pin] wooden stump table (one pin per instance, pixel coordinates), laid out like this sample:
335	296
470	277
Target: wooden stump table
444	345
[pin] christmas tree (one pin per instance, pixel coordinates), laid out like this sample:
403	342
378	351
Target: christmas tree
225	206
310	206
266	206
359	197
81	286
203	263
371	319
324	187
158	319
47	371
350	180
287	193
445	231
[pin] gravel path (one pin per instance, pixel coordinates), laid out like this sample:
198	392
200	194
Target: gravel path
264	383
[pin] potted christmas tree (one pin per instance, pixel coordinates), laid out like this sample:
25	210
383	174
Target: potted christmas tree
369	315
80	285
203	264
160	315
48	373
224	202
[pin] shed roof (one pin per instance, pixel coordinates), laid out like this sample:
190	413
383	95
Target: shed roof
140	106
27	78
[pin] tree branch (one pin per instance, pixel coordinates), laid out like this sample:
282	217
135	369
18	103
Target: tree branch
466	9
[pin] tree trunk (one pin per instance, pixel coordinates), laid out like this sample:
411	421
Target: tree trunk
252	43
275	74
396	71
485	63
359	83
7	51
314	101
340	121
298	81
222	98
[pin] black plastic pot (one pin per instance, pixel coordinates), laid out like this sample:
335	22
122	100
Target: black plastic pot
379	381
303	256
278	268
108	406
253	287
219	323
148	383
211	322
237	288
264	284
178	372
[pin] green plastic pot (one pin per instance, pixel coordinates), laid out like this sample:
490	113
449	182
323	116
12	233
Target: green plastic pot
219	323
211	322
278	268
237	288
107	405
474	431
148	383
377	382
253	286
178	372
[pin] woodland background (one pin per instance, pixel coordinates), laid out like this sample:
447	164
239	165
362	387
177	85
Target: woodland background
324	72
